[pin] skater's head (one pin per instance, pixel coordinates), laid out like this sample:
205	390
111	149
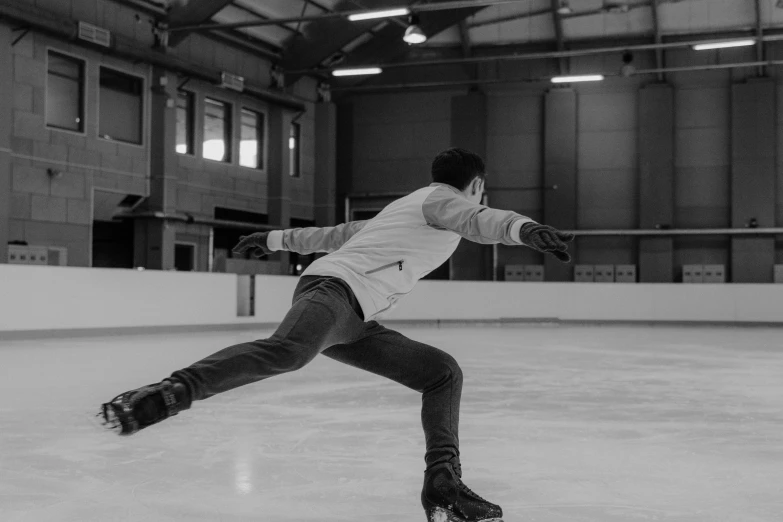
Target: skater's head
462	170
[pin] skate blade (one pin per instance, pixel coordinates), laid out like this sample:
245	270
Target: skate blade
105	419
444	515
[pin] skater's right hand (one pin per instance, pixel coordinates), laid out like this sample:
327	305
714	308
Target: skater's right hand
257	241
546	239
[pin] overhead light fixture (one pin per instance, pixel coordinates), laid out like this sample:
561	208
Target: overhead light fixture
582	78
357	72
565	8
413	34
724	44
388	13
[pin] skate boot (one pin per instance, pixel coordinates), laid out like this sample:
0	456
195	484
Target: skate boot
134	410
446	499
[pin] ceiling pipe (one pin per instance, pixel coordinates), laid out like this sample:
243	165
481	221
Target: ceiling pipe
66	29
413	8
538	55
460	83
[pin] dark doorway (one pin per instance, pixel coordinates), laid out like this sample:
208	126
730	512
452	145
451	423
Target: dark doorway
112	244
184	256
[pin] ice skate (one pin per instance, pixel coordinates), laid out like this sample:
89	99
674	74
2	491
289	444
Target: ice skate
446	499
134	410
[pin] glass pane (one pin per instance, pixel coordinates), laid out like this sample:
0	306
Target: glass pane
120	117
63	103
216	130
185	123
249	146
121	107
64	93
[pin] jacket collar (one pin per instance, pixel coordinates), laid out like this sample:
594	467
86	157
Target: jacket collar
453	189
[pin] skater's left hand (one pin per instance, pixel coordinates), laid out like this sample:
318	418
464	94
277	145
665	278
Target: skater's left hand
257	241
546	239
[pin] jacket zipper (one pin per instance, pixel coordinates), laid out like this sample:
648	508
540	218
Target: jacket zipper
384	267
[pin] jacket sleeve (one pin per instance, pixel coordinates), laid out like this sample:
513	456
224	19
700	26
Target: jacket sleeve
313	239
478	223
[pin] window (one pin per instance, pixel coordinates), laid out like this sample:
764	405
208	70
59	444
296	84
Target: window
121	107
217	130
251	147
185	118
295	150
65	93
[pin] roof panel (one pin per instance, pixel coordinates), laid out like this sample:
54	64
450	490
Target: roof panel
696	16
268	33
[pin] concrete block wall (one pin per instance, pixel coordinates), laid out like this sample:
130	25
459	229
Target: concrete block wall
58	211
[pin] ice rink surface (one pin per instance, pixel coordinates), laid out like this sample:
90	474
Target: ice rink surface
558	424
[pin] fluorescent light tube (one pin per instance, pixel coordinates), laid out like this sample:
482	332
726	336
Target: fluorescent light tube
379	14
723	45
357	72
583	78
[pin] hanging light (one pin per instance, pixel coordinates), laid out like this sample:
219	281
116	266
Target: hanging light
724	44
357	72
580	78
413	34
370	15
565	8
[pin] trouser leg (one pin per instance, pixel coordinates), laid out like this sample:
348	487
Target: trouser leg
323	314
428	370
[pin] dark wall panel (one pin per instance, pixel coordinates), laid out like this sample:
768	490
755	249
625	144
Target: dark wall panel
560	206
753	163
656	181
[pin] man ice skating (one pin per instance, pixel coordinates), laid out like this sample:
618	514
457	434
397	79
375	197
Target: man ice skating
370	266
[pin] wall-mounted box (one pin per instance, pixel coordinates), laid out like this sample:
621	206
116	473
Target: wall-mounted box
534	273
692	274
515	273
38	255
18	254
714	274
624	273
583	273
779	274
603	273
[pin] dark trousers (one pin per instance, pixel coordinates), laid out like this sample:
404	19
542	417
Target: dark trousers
326	318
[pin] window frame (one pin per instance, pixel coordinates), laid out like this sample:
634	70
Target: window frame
82	91
143	113
228	128
192	120
260	127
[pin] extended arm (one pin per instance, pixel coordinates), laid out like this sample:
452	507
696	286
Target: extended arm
477	223
313	239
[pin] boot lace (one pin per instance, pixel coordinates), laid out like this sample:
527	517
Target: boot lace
465	489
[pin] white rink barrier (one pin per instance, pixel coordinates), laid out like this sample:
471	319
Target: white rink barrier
35	298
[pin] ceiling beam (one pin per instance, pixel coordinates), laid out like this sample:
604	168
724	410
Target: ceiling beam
760	38
658	39
190	13
558	24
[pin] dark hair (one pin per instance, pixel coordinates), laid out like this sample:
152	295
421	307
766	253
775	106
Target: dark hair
457	167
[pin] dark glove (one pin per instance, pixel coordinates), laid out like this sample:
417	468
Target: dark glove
546	239
257	241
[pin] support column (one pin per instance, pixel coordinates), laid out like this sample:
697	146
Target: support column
753	161
154	238
344	160
560	167
279	198
6	123
325	185
656	181
471	261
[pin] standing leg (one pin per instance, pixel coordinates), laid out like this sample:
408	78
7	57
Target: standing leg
428	370
436	374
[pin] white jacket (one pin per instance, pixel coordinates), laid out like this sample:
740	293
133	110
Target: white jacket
383	258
